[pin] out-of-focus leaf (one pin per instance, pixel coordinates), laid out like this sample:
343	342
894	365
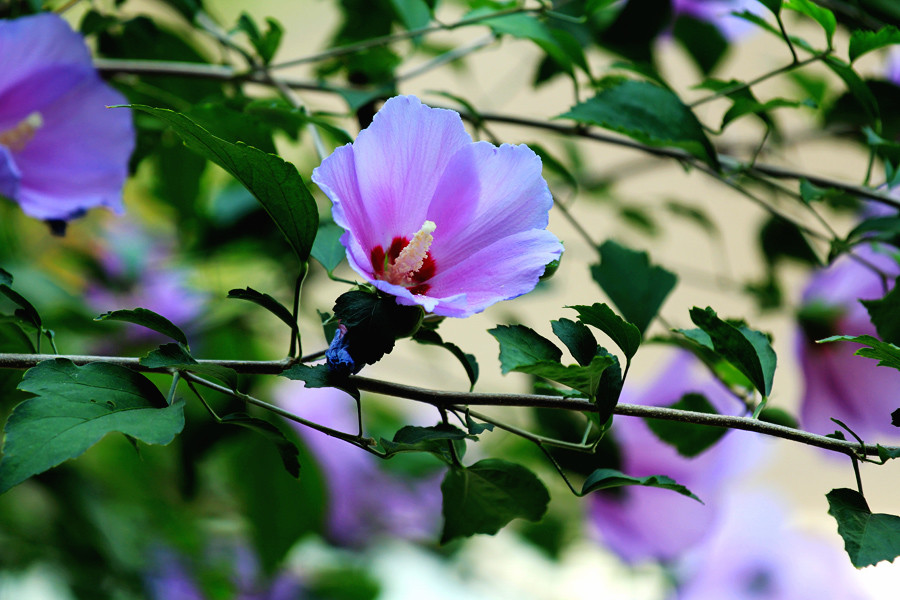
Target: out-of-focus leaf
414	14
885	316
820	14
863	41
688	439
149	319
327	249
287	450
887	355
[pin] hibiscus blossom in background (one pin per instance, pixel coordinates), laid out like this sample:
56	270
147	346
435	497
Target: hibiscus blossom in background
61	150
839	385
644	523
365	501
436	219
754	554
719	13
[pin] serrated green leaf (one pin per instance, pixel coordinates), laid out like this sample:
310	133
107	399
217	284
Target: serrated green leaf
688	439
149	319
626	336
578	339
887	355
820	14
863	41
637	288
274	182
522	346
603	479
74	408
885	316
327	249
648	113
868	538
266	301
745	348
287	450
485	497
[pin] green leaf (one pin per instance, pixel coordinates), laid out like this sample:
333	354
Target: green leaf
702	39
887	355
886	454
268	302
880	228
414	14
468	361
485	497
319	376
522	346
27	312
74	408
275	183
863	41
858	88
176	356
687	438
747	349
626	336
585	379
821	15
527	27
603	479
772	5
149	319
374	322
648	113
636	287
287	450
427	439
327	249
267	43
578	339
868	538
778	416
885	316
5	277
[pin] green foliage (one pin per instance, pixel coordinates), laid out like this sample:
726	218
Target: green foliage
521	346
863	41
485	497
76	406
414	14
626	336
266	44
820	14
266	301
648	113
287	450
149	319
747	349
868	538
274	182
887	355
176	356
434	440
327	249
703	41
319	376
374	322
637	288
604	479
688	439
578	339
431	337
885	316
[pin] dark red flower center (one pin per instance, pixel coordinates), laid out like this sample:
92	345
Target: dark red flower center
382	263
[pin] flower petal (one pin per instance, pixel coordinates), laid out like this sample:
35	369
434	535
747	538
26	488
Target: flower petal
486	193
10	176
78	159
399	161
503	270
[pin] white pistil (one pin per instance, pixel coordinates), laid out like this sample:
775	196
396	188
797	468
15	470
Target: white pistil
18	137
412	257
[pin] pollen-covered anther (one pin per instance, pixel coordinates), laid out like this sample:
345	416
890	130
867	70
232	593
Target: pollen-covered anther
18	137
412	257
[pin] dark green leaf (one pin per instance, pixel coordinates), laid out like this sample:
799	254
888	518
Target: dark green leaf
268	302
267	43
895	418
745	348
781	239
28	312
821	15
772	5
485	497
747	106
477	428
374	322
271	180
319	376
868	538
584	379
887	355
327	249
863	41
687	438
886	454
626	336
550	163
603	479
149	319
5	277
468	361
414	14
648	113
426	439
76	406
578	339
176	356
286	448
522	346
858	88
636	287
885	316
527	27
702	39
884	228
778	417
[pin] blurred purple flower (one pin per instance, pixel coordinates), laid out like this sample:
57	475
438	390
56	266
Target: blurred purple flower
436	219
643	523
719	13
755	555
61	150
364	500
838	384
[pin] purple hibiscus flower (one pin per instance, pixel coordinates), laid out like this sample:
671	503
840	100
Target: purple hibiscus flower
838	384
719	13
365	501
61	150
755	555
436	219
643	523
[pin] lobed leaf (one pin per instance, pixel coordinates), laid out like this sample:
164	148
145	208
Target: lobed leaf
885	315
868	538
522	346
887	355
863	41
